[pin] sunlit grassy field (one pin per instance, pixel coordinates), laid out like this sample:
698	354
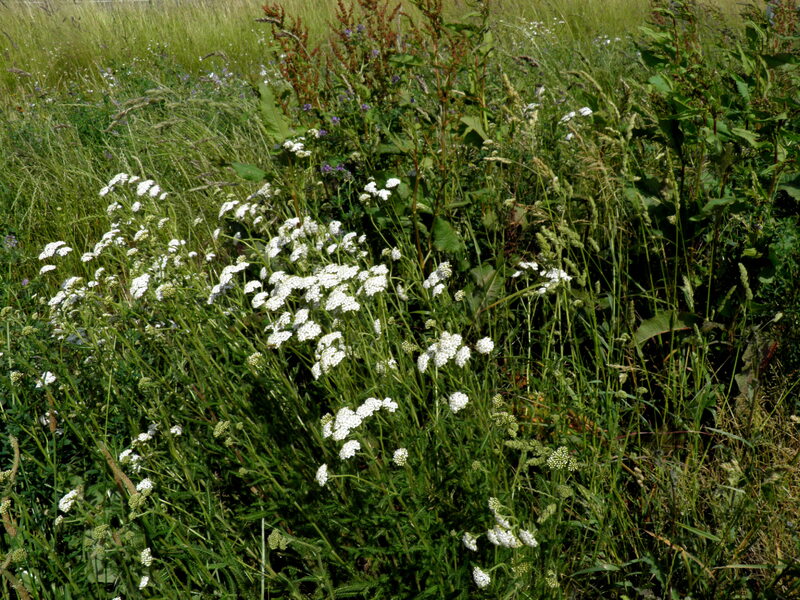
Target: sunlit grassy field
442	300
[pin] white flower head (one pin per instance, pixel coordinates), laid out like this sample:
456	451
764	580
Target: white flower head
46	378
145	486
349	449
322	475
139	285
480	577
470	541
146	557
400	457
65	504
484	346
458	400
392	182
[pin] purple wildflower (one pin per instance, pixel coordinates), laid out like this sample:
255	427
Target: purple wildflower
335	120
365	106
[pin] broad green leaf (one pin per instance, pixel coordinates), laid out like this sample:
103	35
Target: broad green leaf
664	322
661	83
274	120
791	185
445	238
745	134
249	172
406	60
474	124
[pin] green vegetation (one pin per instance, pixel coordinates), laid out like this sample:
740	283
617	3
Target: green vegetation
420	302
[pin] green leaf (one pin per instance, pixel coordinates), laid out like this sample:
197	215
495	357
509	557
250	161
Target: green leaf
277	128
664	322
445	238
406	60
791	185
661	83
475	124
745	134
701	533
249	172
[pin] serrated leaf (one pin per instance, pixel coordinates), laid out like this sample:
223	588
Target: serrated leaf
275	123
445	238
664	322
249	172
745	134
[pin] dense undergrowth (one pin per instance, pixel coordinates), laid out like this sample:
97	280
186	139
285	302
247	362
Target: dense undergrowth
466	308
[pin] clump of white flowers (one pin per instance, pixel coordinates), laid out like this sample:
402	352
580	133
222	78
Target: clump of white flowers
457	401
322	475
297	147
470	541
146	557
349	449
346	419
480	577
484	346
400	457
66	502
435	281
45	379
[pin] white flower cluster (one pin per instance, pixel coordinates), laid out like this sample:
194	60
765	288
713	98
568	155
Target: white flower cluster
253	211
346	419
66	502
329	353
226	280
400	457
322	475
147	186
59	248
435	281
139	285
450	347
552	277
45	379
457	400
583	112
502	533
153	269
297	147
480	577
372	190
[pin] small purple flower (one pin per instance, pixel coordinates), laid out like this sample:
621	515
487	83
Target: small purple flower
326	168
340	167
322	133
395	78
306	107
365	106
375	52
348	32
25	282
335	120
10	241
360	28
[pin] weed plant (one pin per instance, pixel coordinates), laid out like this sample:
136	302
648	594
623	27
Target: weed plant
413	306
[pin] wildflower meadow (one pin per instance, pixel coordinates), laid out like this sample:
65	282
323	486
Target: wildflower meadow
393	300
